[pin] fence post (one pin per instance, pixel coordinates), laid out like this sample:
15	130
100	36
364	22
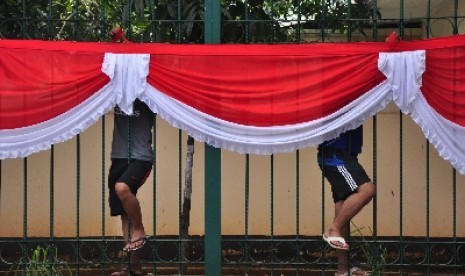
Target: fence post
212	164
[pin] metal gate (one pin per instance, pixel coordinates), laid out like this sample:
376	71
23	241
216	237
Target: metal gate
213	252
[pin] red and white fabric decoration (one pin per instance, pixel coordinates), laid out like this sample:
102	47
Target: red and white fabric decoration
258	99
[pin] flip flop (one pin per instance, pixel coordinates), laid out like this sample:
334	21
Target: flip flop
331	241
139	243
125	272
352	272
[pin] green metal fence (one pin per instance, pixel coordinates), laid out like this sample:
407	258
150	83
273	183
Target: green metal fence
229	21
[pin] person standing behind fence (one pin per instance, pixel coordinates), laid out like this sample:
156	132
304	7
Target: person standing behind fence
131	164
351	188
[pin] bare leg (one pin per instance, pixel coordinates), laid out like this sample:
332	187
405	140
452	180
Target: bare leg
349	208
133	212
125	226
342	255
134	263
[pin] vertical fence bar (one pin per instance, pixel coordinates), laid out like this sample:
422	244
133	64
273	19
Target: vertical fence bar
323	214
52	193
349	20
375	198
51	212
153	25
456	17
24	21
178	22
401	25
77	22
212	163
401	159
323	23
428	18
298	36
180	242
273	31
297	206
374	15
25	239
212	211
428	256
401	191
247	22
103	187
376	251
428	32
78	198
212	22
246	223
272	215
129	138
49	19
0	185
454	172
102	16
129	21
454	218
427	146
154	195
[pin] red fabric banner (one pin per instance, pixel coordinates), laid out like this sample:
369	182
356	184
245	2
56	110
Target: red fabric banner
40	85
444	83
252	98
266	90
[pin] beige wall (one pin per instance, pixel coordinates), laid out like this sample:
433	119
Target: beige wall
167	183
233	188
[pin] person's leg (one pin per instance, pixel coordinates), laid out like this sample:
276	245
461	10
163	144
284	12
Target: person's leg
343	265
342	255
125	226
348	209
133	215
126	189
134	263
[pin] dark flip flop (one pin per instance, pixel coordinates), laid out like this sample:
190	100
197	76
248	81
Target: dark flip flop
142	241
125	271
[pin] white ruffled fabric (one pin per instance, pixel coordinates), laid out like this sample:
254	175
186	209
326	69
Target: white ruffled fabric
128	74
266	140
404	71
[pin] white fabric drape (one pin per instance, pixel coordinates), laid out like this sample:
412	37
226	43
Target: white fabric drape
403	71
266	140
128	73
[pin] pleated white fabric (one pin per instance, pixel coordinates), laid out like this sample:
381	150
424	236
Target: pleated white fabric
128	74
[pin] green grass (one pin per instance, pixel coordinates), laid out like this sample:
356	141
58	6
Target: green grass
374	254
43	261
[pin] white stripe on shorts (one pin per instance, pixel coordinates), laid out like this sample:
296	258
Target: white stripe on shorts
348	177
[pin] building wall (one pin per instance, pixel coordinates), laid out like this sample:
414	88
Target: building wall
167	185
401	194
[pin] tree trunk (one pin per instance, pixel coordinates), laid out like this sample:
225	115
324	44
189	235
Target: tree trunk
186	205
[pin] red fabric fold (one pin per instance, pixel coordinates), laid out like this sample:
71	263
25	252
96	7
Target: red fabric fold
254	84
444	83
38	85
266	90
304	49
